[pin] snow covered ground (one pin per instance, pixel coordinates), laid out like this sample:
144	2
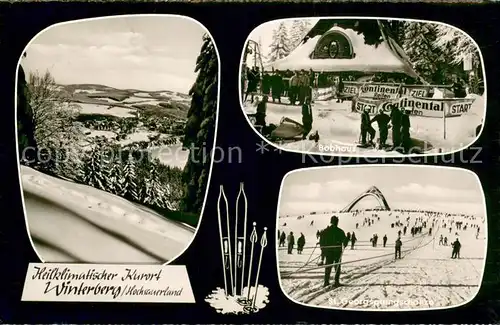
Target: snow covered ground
425	277
142	94
71	222
173	155
88	91
105	110
339	128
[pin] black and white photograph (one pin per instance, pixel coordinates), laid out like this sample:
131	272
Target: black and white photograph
116	121
363	87
387	237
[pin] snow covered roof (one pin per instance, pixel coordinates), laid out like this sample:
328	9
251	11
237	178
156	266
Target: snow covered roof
368	58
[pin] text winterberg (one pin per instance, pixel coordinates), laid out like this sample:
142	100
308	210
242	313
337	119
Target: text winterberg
141	291
67	289
48	273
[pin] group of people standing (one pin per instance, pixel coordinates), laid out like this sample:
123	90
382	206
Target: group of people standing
297	86
398	121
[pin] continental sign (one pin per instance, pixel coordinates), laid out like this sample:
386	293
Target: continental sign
379	91
417	106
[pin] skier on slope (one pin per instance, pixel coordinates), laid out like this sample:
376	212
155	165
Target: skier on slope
301	242
405	131
291	242
366	128
396	127
456	249
334	242
385	240
353	240
397	248
382	120
282	239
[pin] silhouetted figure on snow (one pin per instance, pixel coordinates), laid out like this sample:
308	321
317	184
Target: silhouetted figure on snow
291	242
301	242
397	248
456	249
334	240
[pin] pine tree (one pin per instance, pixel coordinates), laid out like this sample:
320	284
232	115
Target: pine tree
92	170
25	127
200	127
280	45
130	180
298	30
111	173
154	193
431	61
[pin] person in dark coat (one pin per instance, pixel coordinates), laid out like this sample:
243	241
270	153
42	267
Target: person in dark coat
301	242
334	241
279	233
456	249
253	80
276	86
307	118
282	239
430	231
458	88
291	242
396	127
397	248
353	240
405	131
404	231
260	115
382	120
266	83
322	246
445	241
366	128
340	90
385	240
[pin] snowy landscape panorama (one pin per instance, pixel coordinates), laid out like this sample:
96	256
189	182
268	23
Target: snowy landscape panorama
108	124
438	215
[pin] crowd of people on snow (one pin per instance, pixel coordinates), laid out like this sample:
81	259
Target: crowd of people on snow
298	87
332	240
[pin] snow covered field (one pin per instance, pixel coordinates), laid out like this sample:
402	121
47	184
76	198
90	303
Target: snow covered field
70	222
105	110
425	277
339	128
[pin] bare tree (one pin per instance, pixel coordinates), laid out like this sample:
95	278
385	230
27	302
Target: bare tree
53	119
53	112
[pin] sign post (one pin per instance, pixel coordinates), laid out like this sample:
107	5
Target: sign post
444	122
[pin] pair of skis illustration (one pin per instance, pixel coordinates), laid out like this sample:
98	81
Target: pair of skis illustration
234	275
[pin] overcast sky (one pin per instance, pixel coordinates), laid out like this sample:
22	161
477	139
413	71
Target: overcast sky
330	189
145	53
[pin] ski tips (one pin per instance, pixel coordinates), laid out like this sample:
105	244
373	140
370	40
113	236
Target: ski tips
253	236
254	223
263	240
242	185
